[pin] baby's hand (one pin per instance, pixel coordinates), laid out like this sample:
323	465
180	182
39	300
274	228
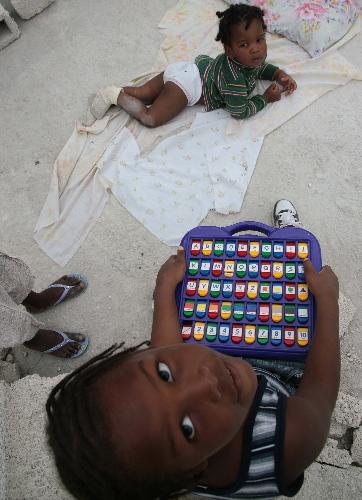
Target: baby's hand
272	93
287	82
173	270
323	284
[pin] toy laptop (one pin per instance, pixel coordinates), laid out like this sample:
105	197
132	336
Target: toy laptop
245	294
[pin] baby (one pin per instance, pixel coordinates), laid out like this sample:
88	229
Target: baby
160	421
224	82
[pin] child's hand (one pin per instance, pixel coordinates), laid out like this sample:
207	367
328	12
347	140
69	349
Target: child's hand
173	270
287	82
272	93
322	284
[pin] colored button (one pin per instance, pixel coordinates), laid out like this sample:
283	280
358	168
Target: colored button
252	292
224	332
254	248
302	292
213	310
302	336
249	334
276	335
203	288
265	270
264	291
277	313
201	308
242	248
241	268
264	312
189	306
289	313
302	250
236	333
193	266
278	269
191	287
195	247
263	334
218	248
225	311
278	249
227	288
303	313
277	291
300	270
199	330
229	268
216	267
238	310
290	291
290	249
207	247
211	331
205	267
230	248
186	331
253	268
290	270
266	248
215	288
250	312
240	288
289	336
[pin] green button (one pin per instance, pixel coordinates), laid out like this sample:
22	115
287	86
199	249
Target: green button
264	290
290	270
193	266
266	248
289	313
238	310
215	288
189	308
218	247
241	268
211	331
263	334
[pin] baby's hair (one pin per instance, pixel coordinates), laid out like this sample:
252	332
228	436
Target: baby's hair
76	434
235	14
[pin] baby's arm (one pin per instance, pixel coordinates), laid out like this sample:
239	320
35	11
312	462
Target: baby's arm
166	325
309	412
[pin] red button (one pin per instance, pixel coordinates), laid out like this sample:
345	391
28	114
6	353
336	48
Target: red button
242	248
216	267
240	288
265	269
191	287
290	250
237	333
186	331
290	291
289	336
195	247
213	309
264	312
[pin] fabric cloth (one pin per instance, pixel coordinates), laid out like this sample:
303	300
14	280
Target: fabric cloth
16	282
228	84
186	76
260	473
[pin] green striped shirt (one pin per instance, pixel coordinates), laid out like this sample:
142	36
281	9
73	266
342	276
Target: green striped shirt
228	84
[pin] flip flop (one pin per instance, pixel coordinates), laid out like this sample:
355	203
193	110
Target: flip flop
81	277
66	340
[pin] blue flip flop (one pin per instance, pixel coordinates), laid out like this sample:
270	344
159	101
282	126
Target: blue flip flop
66	340
81	277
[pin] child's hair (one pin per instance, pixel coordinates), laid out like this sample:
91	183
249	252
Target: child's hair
235	14
76	432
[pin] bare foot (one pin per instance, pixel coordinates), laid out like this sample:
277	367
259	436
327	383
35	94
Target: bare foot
49	296
46	339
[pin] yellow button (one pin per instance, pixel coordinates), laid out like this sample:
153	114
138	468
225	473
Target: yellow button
203	287
229	268
199	330
302	292
302	336
225	311
302	250
249	334
277	312
207	247
254	248
252	292
278	269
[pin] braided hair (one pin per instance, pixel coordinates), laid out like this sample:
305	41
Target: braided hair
79	439
235	14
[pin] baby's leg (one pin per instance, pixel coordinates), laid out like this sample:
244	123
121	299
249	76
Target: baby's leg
148	92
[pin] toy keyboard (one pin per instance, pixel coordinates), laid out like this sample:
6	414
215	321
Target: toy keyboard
245	294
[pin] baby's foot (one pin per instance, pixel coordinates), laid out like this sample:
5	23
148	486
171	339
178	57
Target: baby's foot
103	101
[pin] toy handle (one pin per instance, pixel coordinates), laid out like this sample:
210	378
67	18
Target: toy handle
252	225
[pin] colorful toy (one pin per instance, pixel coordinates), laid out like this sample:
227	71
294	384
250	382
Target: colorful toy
245	294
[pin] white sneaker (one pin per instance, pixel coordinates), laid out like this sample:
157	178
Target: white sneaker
285	214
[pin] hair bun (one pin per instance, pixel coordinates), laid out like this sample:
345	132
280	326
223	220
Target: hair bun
220	14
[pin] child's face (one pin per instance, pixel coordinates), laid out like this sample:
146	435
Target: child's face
248	46
170	409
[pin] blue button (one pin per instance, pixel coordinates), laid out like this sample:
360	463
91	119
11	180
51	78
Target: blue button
276	335
250	311
230	248
205	267
227	288
253	268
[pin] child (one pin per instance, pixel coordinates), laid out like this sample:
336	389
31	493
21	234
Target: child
224	82
174	417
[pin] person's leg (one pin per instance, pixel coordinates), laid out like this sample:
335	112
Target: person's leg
148	92
46	339
285	214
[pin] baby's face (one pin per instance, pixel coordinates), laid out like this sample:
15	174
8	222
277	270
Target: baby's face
248	46
170	409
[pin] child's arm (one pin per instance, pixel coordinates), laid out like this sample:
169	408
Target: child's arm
309	412
287	83
166	325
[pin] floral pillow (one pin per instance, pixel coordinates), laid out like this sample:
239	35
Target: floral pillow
315	26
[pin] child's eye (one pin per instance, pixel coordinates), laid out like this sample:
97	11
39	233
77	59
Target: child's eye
188	428
164	372
242	45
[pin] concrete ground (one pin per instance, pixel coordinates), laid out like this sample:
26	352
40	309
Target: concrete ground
76	46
